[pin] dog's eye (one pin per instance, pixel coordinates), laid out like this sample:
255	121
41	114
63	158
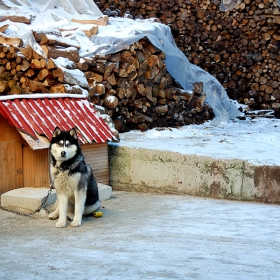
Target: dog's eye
60	144
67	144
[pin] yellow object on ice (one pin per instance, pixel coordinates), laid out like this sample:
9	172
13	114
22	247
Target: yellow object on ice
97	214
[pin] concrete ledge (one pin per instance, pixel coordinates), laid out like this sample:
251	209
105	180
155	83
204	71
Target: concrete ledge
31	198
138	169
27	198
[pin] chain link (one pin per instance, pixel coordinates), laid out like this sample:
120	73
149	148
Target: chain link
33	212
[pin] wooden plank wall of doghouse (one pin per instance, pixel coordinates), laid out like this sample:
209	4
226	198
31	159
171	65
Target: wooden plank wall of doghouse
96	156
11	175
36	166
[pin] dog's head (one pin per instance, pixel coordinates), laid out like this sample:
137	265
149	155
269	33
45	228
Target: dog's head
64	144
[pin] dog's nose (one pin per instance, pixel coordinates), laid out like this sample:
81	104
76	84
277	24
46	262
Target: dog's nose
63	153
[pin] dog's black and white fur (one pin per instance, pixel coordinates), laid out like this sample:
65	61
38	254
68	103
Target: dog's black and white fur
76	187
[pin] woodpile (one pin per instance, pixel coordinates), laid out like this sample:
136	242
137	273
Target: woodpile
133	85
139	93
239	47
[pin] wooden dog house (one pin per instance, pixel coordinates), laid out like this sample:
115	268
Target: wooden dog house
26	126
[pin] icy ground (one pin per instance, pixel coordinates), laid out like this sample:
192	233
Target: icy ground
147	236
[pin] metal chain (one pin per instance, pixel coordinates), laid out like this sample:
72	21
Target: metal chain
33	212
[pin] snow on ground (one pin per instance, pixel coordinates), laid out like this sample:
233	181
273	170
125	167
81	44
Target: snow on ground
254	140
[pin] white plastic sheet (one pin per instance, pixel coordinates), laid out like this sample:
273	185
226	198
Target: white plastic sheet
82	7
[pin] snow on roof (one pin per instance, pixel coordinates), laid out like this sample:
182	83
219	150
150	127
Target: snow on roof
37	115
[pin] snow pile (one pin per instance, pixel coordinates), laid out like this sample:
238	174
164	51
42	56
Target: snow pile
252	140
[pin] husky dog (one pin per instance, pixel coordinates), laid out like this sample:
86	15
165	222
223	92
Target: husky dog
76	187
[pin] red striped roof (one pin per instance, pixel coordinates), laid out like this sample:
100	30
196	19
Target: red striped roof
38	115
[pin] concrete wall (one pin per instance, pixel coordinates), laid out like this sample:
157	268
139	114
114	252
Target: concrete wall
145	170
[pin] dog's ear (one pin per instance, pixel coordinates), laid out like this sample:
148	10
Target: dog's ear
56	132
73	133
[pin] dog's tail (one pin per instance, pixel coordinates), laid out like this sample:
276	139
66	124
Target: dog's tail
92	208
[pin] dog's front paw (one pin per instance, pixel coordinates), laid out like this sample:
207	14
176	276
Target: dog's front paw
60	224
53	215
76	223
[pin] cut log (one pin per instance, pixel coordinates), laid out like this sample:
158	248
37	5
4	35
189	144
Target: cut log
4	87
88	29
73	77
51	64
103	21
51	40
27	52
83	65
111	101
40	33
15	18
38	64
45	74
15	90
3	27
8	40
37	86
71	53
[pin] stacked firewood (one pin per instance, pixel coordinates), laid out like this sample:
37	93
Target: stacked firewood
139	93
239	47
133	85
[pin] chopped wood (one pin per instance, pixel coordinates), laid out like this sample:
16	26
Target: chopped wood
100	89
51	64
40	33
15	90
111	101
38	64
27	52
45	74
82	65
72	77
71	53
3	27
88	29
51	39
133	85
50	82
8	40
4	87
14	18
36	86
90	21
